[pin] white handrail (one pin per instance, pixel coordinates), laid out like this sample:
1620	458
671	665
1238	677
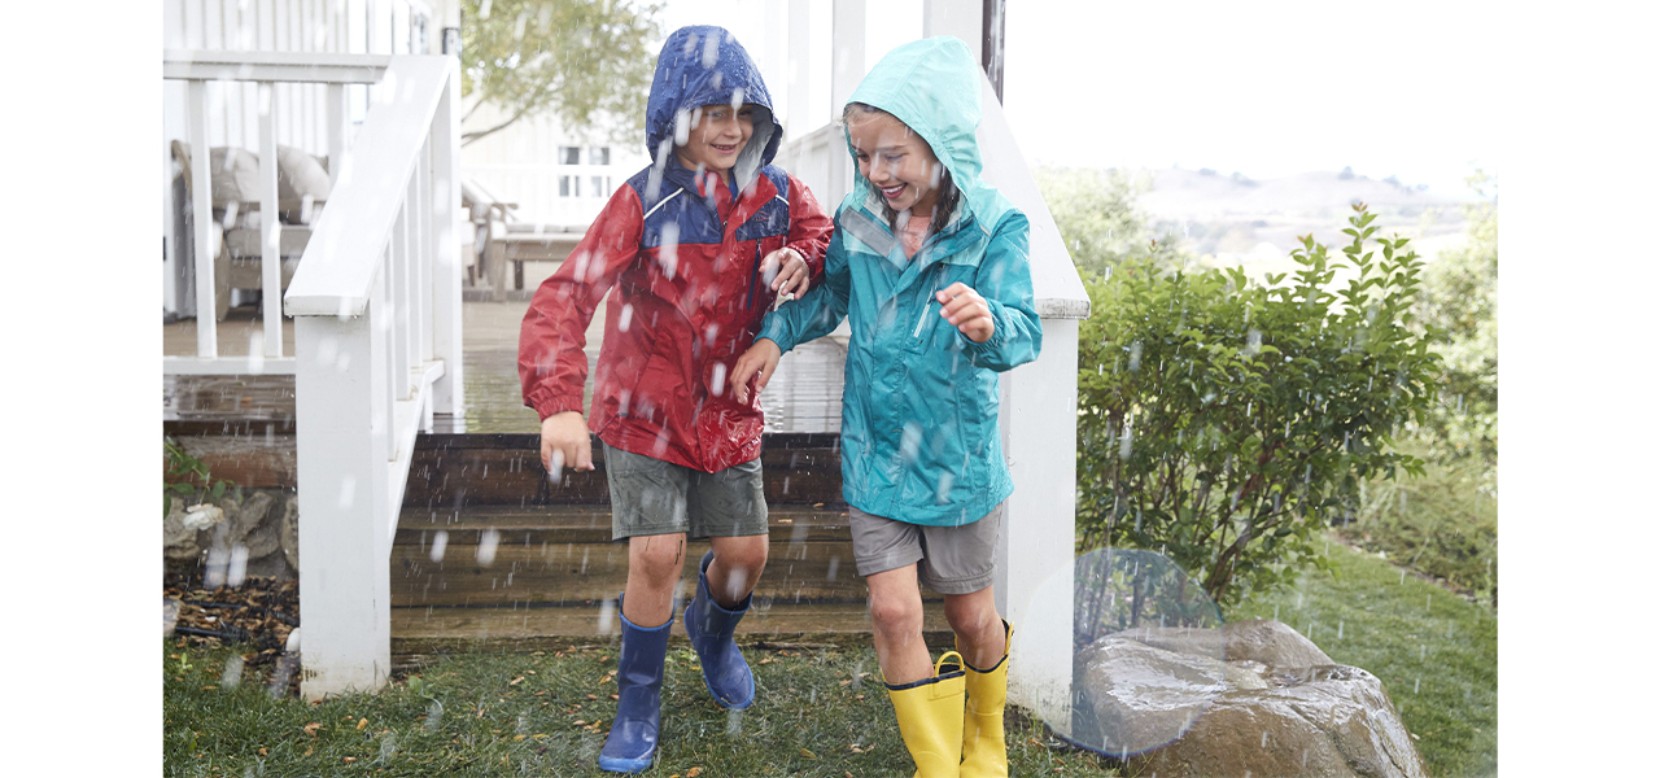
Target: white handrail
360	216
377	308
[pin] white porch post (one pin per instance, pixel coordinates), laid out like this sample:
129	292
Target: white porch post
1039	423
847	46
798	116
961	18
343	446
448	393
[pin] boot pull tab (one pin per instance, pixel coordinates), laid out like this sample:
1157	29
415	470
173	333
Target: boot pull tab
948	669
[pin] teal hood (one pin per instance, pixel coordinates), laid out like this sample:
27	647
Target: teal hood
933	86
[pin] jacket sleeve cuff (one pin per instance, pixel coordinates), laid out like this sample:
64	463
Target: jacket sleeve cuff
547	403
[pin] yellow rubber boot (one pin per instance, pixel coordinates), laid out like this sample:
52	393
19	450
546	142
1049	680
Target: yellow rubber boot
984	752
930	714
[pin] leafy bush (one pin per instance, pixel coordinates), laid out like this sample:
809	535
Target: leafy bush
1446	523
186	477
1226	423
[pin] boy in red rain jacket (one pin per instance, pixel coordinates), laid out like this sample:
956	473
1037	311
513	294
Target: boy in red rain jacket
693	251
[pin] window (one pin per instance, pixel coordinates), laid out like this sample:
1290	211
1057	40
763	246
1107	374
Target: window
570	155
599	155
570	186
599	185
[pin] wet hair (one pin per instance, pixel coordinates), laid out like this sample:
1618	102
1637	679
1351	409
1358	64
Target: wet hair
949	195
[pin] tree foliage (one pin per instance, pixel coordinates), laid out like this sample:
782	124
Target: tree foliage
1225	423
1461	299
586	61
1097	215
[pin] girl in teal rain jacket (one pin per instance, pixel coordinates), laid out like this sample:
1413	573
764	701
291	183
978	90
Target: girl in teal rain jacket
928	265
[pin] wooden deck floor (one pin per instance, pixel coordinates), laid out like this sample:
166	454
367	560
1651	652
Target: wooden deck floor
804	396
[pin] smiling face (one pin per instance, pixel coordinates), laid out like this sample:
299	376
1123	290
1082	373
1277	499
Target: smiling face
716	137
898	162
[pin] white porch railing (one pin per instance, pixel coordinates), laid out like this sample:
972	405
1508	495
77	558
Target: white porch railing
377	307
376	299
1039	410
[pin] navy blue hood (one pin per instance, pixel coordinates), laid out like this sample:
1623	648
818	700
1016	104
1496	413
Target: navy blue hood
704	65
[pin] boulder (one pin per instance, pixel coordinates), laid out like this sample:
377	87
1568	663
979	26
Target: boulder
251	525
1254	698
290	531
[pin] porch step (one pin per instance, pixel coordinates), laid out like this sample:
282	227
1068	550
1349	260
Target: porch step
511	577
564	556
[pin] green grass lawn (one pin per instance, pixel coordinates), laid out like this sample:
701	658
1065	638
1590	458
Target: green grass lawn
822	710
1436	653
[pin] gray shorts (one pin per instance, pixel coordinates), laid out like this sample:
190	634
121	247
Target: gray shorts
653	497
955	560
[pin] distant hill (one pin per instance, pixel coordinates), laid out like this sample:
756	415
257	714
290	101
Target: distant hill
1229	219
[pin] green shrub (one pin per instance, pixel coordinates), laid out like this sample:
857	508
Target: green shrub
1226	423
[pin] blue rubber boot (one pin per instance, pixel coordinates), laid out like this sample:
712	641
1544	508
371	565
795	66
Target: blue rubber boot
710	627
632	744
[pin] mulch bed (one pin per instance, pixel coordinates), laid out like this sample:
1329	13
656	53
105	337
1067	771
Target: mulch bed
255	617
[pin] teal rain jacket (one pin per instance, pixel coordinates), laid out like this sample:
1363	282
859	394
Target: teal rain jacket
920	442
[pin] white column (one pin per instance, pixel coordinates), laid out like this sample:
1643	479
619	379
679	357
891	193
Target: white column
448	269
342	447
1034	562
798	119
847	47
961	18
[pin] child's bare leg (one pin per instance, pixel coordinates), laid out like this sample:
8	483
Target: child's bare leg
736	567
654	563
896	616
973	617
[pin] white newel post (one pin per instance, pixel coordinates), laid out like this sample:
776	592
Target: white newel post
343	446
1035	556
448	393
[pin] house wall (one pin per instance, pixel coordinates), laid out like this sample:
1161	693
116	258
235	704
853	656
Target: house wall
523	164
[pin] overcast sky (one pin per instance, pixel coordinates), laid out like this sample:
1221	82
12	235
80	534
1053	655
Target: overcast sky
1266	89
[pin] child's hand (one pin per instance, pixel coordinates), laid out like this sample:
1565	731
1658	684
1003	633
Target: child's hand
967	311
758	362
785	272
565	444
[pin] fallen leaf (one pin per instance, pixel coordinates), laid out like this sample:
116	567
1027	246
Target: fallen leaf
808	754
311	729
361	723
348	759
694	772
517	738
516	681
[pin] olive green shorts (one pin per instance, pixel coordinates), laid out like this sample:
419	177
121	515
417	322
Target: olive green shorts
653	497
955	560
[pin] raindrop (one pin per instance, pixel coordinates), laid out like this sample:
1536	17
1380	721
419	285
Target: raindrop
717	379
835	563
1415	682
232	676
487	541
435	716
607	615
440	541
1339	629
625	317
734	722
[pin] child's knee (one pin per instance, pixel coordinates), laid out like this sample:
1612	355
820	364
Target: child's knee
891	615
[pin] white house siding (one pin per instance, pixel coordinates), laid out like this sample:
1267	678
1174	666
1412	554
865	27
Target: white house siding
521	164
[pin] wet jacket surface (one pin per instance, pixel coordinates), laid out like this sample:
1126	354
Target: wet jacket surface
920	438
679	256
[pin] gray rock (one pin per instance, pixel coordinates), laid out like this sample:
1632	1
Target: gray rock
290	530
1276	705
254	526
1272	643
